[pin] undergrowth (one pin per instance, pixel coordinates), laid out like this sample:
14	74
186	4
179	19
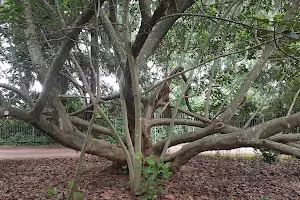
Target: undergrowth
56	195
154	176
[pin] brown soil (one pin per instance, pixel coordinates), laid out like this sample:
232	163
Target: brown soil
204	177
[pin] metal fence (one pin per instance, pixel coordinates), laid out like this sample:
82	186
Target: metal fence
15	132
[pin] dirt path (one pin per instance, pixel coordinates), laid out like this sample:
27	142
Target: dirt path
23	152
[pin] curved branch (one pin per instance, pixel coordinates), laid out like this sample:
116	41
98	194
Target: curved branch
191	136
192	114
184	138
251	137
145	10
212	142
15	112
293	102
3	102
284	138
100	129
270	128
46	5
159	31
81	110
167	121
187	94
60	57
162	93
71	138
25	97
148	23
282	148
113	37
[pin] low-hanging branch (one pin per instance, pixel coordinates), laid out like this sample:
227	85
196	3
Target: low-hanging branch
22	94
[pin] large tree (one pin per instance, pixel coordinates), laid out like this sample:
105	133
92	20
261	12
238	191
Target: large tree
215	50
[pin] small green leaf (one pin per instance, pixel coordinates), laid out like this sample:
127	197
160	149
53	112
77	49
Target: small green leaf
139	156
70	184
149	161
52	191
78	195
265	198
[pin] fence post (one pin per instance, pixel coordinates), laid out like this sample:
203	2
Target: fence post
155	134
33	135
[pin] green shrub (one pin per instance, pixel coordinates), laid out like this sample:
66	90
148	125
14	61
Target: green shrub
154	176
61	195
269	156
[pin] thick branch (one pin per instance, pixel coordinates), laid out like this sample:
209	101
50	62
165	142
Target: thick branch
192	114
282	148
159	31
148	23
145	10
278	125
268	51
15	112
71	138
60	57
113	37
100	129
166	121
219	142
113	13
284	138
253	74
185	137
195	135
46	5
25	97
3	102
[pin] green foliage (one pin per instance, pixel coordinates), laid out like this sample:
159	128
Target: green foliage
52	191
72	104
15	132
154	176
268	156
61	195
265	198
123	170
10	12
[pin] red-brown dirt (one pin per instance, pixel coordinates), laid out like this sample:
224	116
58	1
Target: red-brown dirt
204	177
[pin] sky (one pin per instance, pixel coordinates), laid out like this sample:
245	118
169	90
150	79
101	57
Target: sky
4	67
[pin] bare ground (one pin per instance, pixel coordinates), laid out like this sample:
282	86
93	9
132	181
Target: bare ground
23	152
204	177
